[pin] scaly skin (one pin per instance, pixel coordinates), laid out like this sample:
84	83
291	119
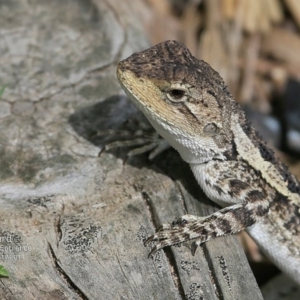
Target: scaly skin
188	104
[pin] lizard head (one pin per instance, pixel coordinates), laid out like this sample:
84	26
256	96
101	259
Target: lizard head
183	98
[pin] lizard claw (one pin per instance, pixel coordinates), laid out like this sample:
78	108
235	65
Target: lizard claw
161	235
149	240
153	250
166	238
159	244
185	228
195	246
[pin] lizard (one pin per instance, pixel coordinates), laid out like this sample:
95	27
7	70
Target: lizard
189	105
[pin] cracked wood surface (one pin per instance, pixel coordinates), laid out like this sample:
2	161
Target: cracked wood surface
72	225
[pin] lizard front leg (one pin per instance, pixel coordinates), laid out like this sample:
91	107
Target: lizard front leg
230	184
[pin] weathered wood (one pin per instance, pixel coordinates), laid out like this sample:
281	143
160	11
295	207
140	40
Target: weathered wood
72	225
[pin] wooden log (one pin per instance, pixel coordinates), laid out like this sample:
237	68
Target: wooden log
72	225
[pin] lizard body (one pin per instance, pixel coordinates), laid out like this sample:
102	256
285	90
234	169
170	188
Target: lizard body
188	104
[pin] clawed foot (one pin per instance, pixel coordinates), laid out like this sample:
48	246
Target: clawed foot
183	229
143	140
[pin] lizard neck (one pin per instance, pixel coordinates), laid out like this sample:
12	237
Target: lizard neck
189	147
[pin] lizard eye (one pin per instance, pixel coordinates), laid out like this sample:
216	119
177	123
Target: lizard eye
176	95
211	129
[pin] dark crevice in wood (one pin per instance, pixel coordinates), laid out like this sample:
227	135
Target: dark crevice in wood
168	252
64	275
174	271
5	290
153	215
58	230
180	192
213	276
